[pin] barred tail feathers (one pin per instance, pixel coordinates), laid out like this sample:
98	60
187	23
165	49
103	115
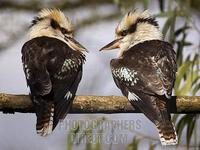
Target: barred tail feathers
167	133
45	117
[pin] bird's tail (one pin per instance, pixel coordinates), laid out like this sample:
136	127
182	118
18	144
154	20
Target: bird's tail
167	133
165	126
45	115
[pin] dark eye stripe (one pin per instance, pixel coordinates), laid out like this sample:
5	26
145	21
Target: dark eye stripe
54	24
63	30
133	27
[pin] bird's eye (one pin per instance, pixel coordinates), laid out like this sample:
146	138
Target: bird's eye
124	33
64	31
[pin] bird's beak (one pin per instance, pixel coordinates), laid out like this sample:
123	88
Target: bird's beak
113	45
75	45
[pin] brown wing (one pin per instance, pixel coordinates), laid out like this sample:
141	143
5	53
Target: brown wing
153	64
53	72
146	75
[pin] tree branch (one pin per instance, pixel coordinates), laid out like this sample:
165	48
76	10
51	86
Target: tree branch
98	104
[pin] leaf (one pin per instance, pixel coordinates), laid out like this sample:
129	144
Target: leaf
180	126
172	28
166	26
89	137
145	4
161	5
180	73
190	129
188	58
87	132
88	146
134	144
182	30
197	57
164	14
184	71
152	146
195	81
184	43
195	89
69	142
174	118
179	53
185	121
188	83
98	144
73	132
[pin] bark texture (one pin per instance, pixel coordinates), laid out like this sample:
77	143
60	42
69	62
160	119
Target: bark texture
98	104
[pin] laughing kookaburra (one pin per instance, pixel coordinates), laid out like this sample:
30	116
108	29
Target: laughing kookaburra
145	70
52	62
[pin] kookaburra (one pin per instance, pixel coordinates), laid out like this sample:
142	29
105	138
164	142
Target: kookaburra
52	61
145	70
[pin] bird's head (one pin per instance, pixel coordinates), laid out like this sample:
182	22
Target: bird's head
53	23
135	27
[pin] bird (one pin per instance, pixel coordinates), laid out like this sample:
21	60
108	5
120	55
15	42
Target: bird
52	62
145	69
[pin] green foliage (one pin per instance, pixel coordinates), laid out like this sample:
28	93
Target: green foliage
79	135
152	146
189	74
134	144
71	134
187	122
